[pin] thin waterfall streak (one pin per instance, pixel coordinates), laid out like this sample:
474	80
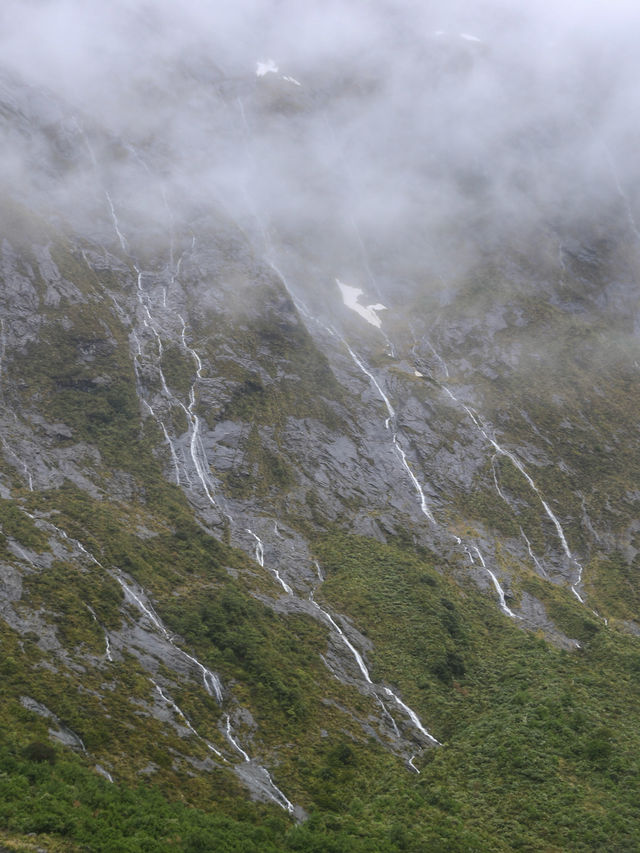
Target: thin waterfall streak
281	799
365	673
212	683
356	654
101	770
423	502
391	415
259	555
177	710
23	554
520	467
174	456
439	358
119	234
496	583
259	548
495	478
375	383
232	740
20	461
147	611
537	563
387	714
412	716
106	636
577	594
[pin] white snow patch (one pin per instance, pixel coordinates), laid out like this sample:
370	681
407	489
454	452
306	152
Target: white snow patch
468	37
268	67
350	297
291	80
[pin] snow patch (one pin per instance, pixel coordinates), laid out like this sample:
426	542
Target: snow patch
350	297
268	67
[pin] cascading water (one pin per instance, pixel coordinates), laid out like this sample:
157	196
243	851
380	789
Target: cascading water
496	583
232	740
107	643
520	467
27	473
391	415
259	555
101	770
365	674
187	722
198	454
536	562
210	680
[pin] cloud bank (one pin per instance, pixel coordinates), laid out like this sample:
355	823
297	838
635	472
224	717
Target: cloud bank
388	136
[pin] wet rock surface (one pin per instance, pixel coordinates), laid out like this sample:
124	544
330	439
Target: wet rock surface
277	428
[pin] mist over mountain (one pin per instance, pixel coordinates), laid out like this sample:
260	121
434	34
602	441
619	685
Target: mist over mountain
418	122
319	374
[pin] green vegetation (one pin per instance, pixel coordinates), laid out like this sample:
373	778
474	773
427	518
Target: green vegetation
16	524
540	745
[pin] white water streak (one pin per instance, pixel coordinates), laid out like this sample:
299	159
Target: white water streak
187	722
167	438
196	447
375	383
280	798
21	462
100	769
174	456
232	740
146	611
385	711
520	467
496	583
414	480
412	716
495	479
391	414
439	357
537	562
365	673
259	555
211	682
123	242
106	636
356	654
412	765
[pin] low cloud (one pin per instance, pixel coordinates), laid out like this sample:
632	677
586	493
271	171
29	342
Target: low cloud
393	136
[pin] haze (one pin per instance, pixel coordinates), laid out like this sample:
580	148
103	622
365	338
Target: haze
398	134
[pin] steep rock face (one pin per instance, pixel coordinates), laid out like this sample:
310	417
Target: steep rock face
251	539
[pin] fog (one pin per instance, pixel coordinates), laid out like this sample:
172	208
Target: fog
392	137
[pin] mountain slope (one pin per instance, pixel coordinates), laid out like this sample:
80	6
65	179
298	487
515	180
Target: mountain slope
276	578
